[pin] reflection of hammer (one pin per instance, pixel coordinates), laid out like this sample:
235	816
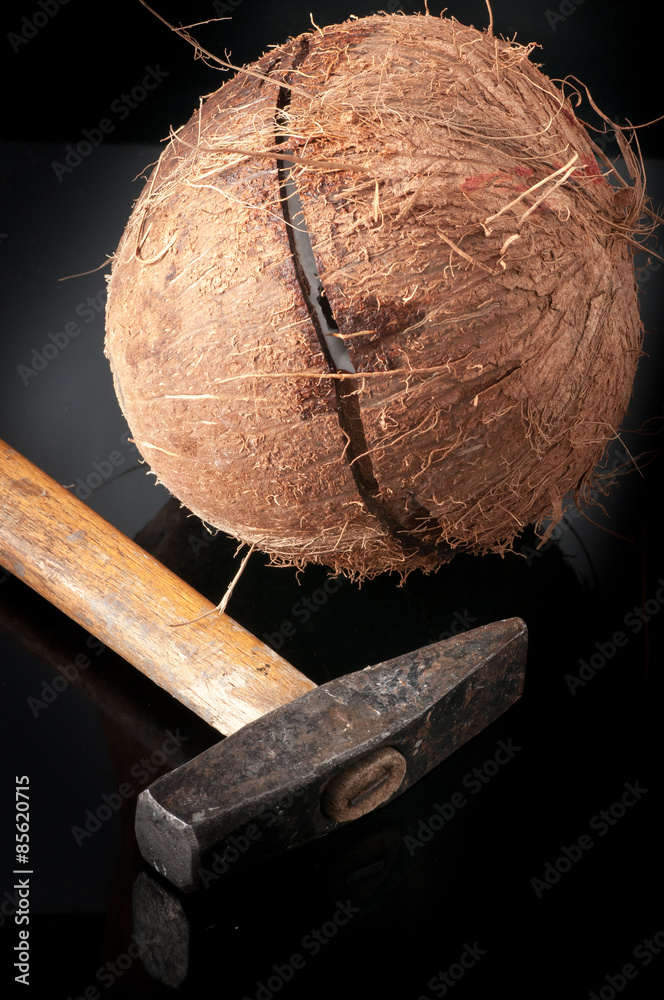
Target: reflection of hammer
303	759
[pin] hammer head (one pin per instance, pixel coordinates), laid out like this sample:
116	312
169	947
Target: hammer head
331	755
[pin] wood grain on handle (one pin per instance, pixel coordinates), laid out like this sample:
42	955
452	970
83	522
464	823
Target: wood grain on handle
113	588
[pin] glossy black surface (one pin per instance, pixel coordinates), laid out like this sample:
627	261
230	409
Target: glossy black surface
445	891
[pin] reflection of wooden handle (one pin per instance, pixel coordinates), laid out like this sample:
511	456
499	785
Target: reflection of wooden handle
85	665
110	586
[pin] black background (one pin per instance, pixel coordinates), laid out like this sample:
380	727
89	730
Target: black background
471	883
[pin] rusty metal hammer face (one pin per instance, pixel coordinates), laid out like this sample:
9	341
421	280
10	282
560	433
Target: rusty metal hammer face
331	755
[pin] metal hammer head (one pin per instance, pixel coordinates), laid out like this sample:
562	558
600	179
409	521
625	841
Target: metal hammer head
331	755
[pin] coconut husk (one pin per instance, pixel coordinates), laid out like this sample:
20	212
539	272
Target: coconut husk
475	256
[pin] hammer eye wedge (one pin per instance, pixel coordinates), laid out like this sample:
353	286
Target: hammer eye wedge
364	786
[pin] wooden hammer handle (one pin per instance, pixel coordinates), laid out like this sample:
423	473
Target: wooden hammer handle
114	589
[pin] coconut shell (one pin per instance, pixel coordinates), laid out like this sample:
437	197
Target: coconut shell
477	264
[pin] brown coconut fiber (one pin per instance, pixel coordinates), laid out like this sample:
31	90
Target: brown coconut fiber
473	256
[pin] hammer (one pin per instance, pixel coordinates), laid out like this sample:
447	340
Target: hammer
299	760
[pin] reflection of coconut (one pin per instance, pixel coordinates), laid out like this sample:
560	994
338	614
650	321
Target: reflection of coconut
473	259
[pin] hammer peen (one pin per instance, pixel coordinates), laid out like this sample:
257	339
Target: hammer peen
299	760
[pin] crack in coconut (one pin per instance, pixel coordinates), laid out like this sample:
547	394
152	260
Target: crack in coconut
409	133
338	358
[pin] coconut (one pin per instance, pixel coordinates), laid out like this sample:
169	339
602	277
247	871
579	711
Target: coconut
376	302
